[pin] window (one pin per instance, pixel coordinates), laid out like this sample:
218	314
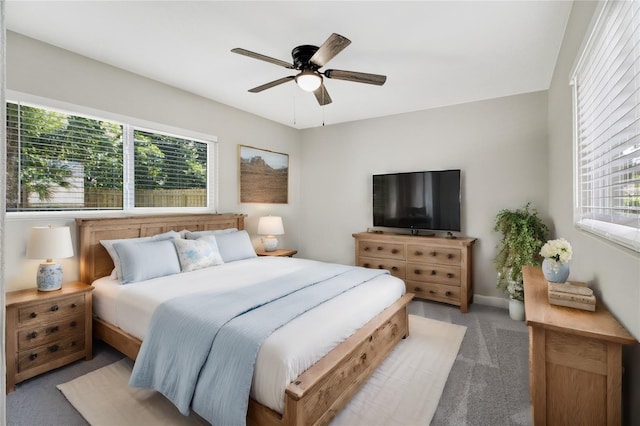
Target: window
607	127
65	161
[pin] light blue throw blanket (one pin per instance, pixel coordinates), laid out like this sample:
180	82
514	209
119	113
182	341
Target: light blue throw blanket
201	349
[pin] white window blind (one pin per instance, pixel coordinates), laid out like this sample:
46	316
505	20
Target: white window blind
65	161
607	127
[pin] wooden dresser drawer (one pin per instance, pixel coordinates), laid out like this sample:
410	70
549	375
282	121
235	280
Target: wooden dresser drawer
45	354
449	275
395	267
381	249
45	333
438	292
433	254
50	310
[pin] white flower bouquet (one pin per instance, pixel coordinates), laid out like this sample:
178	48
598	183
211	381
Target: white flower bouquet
558	250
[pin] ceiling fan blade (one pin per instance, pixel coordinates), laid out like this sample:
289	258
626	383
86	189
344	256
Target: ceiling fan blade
322	95
255	55
358	77
271	84
330	48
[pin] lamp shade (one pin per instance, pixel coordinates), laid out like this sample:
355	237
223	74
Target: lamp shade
46	242
270	225
309	80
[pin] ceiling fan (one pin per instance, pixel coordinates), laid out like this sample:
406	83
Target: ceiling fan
308	60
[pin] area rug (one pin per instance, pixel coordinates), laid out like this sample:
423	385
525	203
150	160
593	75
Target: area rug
404	390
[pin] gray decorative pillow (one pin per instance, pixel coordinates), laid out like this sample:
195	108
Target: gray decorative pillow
141	261
198	254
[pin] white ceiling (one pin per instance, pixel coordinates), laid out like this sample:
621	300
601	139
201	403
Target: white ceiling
434	53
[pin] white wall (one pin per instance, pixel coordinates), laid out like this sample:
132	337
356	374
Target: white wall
613	271
500	145
43	70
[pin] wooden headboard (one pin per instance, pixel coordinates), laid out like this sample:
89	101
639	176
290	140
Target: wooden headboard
95	262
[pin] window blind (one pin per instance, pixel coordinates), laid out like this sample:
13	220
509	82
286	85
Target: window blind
607	127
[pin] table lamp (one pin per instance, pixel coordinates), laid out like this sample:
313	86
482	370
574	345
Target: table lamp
270	226
46	242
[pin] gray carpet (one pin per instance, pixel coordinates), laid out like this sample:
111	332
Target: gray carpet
488	384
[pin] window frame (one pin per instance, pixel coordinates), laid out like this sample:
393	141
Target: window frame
130	124
622	235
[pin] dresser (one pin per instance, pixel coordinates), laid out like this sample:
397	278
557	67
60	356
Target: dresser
432	268
575	359
46	330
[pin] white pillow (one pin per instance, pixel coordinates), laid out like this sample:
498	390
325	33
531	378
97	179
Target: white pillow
194	235
108	245
198	254
141	261
235	246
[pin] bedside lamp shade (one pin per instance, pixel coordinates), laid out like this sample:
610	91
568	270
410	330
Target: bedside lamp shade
49	243
270	226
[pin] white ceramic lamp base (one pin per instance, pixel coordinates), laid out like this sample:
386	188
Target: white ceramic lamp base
49	276
270	243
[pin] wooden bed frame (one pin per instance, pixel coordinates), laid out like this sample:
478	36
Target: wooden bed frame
318	394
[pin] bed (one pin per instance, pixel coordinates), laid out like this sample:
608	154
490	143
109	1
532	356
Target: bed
317	394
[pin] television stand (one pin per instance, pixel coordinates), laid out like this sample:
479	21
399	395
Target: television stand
433	268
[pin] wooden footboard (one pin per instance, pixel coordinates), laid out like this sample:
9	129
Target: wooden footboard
319	393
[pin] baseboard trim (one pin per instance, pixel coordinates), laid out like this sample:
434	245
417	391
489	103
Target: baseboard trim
499	302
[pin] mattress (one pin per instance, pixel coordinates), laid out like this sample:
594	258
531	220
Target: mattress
290	350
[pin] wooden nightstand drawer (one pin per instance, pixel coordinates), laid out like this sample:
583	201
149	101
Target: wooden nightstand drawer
438	292
395	267
50	310
449	275
381	249
50	353
51	332
433	254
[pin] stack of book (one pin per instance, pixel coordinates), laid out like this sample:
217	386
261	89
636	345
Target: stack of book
573	295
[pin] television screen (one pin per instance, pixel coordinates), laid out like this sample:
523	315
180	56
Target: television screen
419	200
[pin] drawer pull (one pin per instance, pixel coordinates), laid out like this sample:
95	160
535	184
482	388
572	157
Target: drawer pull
73	323
449	256
394	251
73	343
363	356
33	335
394	268
448	293
53	329
32	357
366	265
74	305
449	275
433	272
433	253
366	248
33	315
432	292
54	348
418	253
54	308
380	248
417	271
417	289
380	266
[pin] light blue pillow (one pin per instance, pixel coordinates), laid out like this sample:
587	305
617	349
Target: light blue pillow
198	254
108	245
145	260
194	235
235	246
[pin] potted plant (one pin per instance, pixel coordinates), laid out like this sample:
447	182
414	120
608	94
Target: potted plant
523	235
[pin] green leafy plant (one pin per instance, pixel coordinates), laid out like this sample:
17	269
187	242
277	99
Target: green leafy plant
523	235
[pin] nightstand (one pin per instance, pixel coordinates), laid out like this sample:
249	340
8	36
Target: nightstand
46	330
279	252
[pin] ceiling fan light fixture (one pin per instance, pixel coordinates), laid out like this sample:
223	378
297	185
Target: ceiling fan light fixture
309	80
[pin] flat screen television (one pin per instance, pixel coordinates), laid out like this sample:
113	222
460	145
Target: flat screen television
428	200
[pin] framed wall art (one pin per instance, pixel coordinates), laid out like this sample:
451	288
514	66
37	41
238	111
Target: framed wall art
264	176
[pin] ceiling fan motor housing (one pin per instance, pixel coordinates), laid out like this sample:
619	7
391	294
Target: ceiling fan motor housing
301	56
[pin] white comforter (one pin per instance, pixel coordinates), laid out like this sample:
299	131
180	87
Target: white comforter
290	350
